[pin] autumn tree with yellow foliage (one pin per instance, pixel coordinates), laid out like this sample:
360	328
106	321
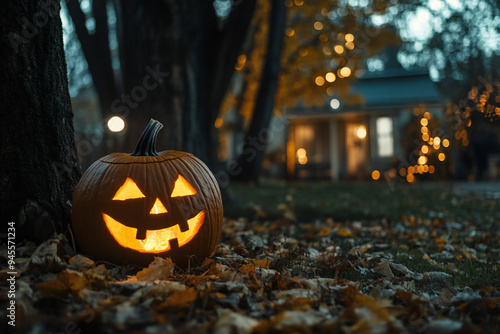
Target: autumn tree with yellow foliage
324	48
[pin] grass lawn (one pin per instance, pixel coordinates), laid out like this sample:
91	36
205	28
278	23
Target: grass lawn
357	201
446	227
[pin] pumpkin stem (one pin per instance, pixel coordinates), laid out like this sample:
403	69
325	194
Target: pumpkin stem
147	143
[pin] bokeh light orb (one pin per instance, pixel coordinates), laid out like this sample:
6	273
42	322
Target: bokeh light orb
116	124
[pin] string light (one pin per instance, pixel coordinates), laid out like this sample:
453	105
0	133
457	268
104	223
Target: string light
430	145
330	77
302	156
422	160
320	81
345	71
318	25
349	37
301	152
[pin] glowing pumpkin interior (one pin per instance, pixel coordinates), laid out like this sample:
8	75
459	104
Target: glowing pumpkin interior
156	241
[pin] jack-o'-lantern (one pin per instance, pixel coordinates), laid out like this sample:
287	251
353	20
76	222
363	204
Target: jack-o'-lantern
131	208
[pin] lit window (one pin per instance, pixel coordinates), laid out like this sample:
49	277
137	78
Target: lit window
385	138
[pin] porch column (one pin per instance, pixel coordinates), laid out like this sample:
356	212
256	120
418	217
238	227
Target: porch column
334	150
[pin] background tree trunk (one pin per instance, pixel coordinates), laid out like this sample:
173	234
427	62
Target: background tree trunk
150	59
250	160
96	50
38	162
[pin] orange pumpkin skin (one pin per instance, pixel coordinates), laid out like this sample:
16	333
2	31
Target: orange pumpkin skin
99	207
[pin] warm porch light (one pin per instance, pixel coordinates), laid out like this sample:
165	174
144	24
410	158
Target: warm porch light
361	133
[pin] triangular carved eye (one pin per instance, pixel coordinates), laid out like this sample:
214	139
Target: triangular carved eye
158	208
183	188
128	190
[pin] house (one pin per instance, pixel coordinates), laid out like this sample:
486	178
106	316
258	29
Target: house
340	142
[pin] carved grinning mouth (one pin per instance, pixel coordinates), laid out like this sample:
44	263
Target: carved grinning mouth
156	240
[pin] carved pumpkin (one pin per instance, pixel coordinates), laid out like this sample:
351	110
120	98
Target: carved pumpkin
131	208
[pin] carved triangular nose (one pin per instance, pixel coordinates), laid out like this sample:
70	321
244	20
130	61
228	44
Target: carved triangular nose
158	208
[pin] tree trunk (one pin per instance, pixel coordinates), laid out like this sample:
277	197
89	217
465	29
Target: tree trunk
97	53
151	70
38	162
250	161
198	38
96	50
223	49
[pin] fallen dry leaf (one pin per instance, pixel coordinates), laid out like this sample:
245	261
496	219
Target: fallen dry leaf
179	299
230	322
46	258
159	269
67	282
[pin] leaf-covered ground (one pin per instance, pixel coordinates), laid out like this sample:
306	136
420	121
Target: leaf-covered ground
353	258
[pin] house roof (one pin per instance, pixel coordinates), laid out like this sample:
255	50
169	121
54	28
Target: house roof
392	88
396	89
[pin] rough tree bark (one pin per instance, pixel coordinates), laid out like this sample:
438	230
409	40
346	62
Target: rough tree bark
38	163
250	160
